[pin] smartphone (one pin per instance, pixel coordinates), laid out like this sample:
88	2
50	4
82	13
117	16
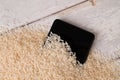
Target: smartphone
79	40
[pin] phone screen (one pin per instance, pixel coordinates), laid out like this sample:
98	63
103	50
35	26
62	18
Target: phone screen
79	40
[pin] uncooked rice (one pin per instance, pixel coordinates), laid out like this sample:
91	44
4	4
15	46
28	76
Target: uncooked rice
24	56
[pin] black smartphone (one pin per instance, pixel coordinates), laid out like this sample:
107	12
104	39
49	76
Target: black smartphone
79	40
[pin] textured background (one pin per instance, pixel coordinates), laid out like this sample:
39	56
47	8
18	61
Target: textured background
103	19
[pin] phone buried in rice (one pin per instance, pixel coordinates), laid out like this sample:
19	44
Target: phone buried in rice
79	40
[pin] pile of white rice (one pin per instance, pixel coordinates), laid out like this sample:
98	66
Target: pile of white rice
23	56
